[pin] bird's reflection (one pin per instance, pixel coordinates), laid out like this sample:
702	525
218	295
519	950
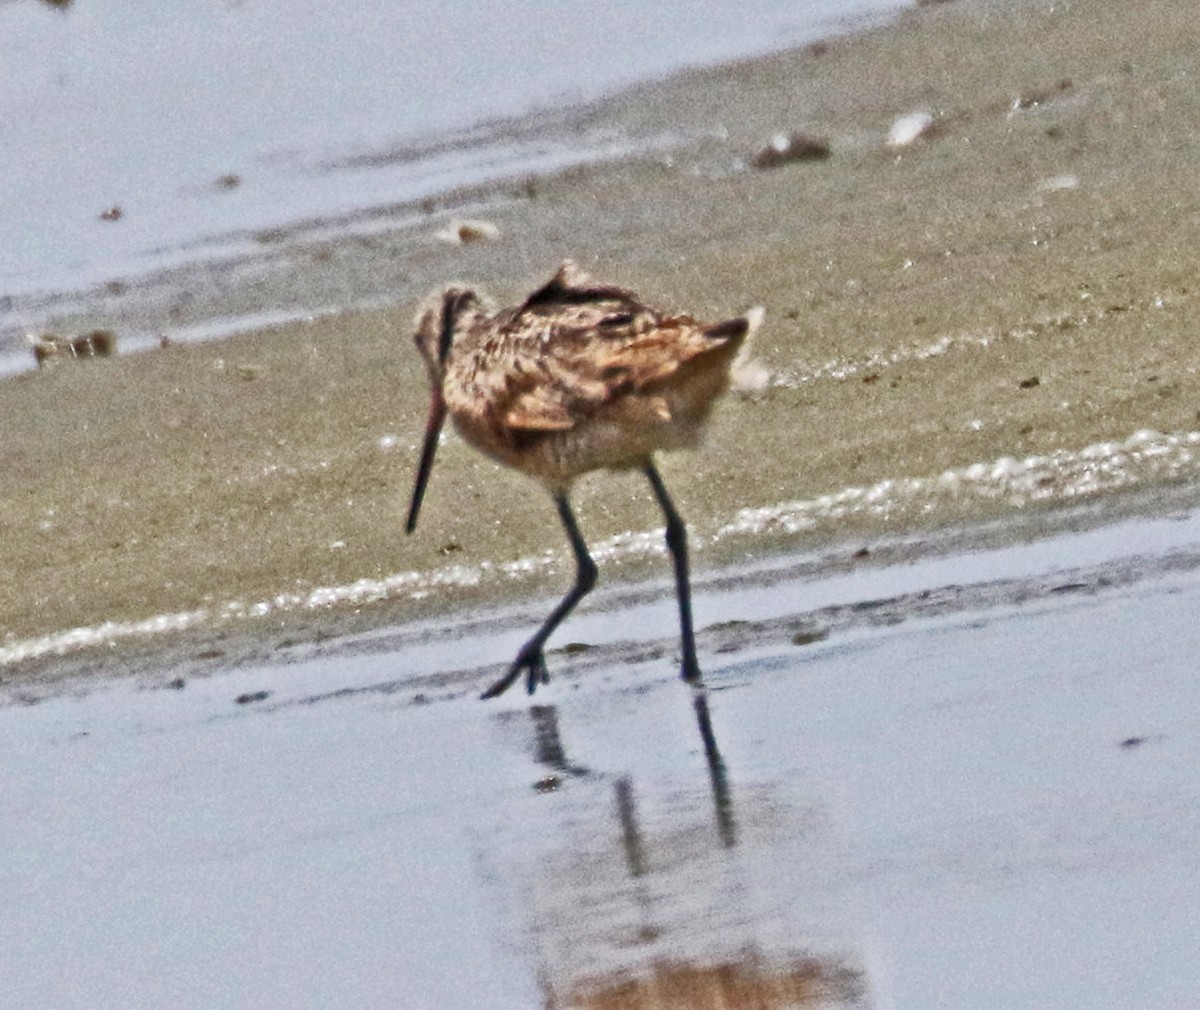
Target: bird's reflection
548	750
718	777
656	912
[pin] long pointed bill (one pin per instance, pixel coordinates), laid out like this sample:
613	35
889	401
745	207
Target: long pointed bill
433	431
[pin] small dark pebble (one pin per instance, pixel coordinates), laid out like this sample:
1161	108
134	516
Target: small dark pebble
420	699
1133	741
791	147
862	552
252	696
229	181
113	213
1030	383
1037	96
450	548
176	683
548	783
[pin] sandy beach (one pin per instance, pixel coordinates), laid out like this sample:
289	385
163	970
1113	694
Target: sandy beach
946	551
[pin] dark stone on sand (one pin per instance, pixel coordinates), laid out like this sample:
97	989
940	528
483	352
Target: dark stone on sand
93	344
786	148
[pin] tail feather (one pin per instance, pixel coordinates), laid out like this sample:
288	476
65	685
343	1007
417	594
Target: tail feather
739	328
750	376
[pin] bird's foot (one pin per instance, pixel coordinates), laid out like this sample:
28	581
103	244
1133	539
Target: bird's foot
532	661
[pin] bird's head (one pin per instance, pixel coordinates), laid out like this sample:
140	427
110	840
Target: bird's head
439	319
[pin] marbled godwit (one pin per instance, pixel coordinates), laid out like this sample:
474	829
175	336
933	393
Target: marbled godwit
580	376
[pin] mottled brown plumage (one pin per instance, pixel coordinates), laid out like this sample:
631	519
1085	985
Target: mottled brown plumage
580	376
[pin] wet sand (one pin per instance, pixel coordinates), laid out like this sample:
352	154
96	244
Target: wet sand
983	325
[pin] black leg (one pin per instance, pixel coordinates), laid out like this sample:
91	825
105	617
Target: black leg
677	545
531	658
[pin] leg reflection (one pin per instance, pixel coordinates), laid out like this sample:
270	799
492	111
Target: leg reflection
722	799
548	748
631	835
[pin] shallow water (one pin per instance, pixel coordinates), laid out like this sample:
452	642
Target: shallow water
991	806
208	123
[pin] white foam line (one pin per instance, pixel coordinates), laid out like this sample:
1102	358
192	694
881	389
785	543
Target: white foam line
1101	466
61	642
844	369
880	359
1060	475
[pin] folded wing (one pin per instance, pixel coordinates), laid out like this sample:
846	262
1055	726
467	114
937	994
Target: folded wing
599	350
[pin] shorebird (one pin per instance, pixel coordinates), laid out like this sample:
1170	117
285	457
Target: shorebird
580	376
